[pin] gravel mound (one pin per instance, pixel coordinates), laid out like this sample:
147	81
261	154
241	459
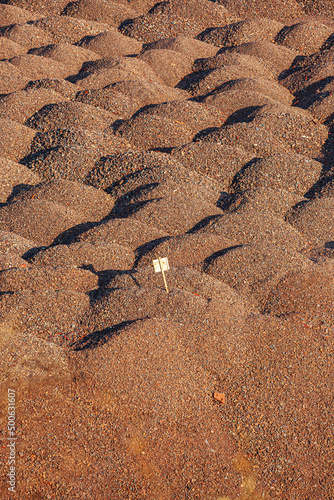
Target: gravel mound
92	203
256	227
172	18
111	43
279	57
194	115
40	7
188	46
9	15
70	115
296	173
65	53
174	214
213	159
314	219
37	67
46	219
258	142
97	74
307	293
9	49
113	168
124	232
63	87
100	11
15	139
144	174
237	103
11	243
309	73
49	278
68	29
10	260
31	313
14	177
139	303
71	153
276	10
147	131
72	163
145	92
272	201
171	66
202	83
298	36
110	99
254	269
11	78
22	104
95	257
26	35
250	30
262	86
103	142
185	250
226	58
297	130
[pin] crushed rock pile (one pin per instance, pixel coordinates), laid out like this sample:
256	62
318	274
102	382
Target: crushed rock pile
197	130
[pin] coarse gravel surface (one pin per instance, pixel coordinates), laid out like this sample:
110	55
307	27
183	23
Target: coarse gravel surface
200	131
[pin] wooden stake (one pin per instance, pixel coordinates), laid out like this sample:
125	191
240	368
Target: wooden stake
163	275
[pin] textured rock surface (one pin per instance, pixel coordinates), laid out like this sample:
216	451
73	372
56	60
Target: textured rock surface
200	131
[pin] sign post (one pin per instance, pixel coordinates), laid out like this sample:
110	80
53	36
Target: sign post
160	266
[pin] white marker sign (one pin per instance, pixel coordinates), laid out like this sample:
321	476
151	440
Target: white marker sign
160	266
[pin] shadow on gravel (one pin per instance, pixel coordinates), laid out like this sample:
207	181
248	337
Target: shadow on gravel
72	234
203	223
99	338
215	255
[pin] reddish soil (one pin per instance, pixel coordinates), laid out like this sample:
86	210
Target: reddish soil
200	131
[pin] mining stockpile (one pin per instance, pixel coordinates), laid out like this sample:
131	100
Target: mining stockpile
167	249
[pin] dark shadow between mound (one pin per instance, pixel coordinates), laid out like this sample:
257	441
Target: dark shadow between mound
132	196
330	245
318	187
98	294
30	254
123	210
239	175
225	200
122	28
42	154
147	247
71	235
99	338
167	150
328	44
190	81
327	151
294	208
203	133
105	278
215	255
242	115
203	223
19	188
312	93
297	65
